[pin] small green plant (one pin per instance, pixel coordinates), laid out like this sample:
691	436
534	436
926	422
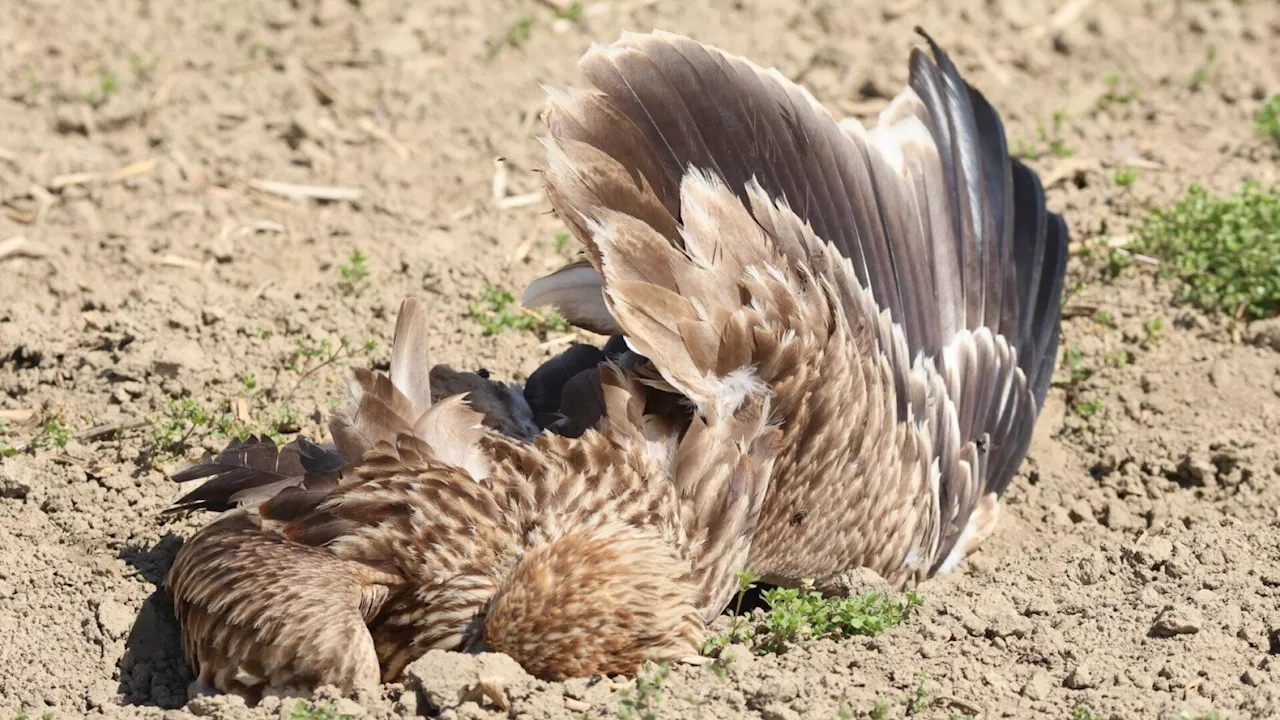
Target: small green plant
303	710
562	242
918	701
643	703
518	33
1104	318
494	313
1084	712
1050	142
1204	71
309	357
249	381
573	12
1211	715
177	424
53	433
1153	331
1124	177
1113	95
355	275
108	86
1117	359
143	68
1073	361
805	614
739	629
1221	250
880	710
1088	410
1268	119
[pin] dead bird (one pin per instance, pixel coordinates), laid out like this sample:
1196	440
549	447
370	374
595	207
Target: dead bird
424	528
893	294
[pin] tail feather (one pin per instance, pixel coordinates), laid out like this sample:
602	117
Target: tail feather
284	483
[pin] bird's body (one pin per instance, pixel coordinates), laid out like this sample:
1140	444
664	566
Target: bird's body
830	347
426	528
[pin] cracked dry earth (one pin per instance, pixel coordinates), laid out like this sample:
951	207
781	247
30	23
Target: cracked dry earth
1136	571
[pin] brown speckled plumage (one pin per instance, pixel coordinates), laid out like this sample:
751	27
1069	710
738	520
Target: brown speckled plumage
892	294
429	529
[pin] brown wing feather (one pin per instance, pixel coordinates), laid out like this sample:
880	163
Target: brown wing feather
927	213
262	614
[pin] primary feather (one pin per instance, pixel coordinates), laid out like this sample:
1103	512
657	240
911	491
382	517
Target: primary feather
894	291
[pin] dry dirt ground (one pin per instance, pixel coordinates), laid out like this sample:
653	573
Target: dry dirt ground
1136	572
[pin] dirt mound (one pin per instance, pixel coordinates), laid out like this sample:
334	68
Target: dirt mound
165	296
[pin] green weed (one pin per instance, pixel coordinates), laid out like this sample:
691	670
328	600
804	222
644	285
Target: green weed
805	614
108	86
1203	73
918	701
1084	712
880	710
562	242
355	274
739	629
644	702
303	710
53	433
573	12
1088	410
1050	140
1124	177
1268	119
494	313
517	34
1221	250
1113	95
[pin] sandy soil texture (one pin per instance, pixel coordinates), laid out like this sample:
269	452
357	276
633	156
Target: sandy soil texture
1136	571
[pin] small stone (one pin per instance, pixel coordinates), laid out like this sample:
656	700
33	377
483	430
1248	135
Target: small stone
1083	677
348	708
1175	620
737	659
212	315
1117	516
778	711
773	691
15	479
973	624
115	619
1040	605
1091	570
1266	333
1253	677
445	678
1080	512
576	705
1153	552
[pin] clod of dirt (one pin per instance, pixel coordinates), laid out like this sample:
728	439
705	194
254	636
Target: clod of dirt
447	680
1266	333
1177	620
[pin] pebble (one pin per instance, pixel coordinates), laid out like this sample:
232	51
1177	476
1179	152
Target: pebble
115	619
1177	620
1266	333
1083	677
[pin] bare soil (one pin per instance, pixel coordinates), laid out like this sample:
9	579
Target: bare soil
1136	571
